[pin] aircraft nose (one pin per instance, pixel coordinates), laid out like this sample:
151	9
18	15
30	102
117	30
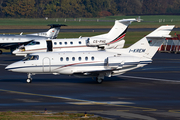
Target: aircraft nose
15	51
9	67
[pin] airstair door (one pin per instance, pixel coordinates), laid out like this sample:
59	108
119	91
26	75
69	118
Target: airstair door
46	65
49	46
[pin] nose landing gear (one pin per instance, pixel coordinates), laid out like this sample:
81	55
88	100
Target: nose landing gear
29	79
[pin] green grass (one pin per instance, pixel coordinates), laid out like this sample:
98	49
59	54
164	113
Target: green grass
148	21
42	116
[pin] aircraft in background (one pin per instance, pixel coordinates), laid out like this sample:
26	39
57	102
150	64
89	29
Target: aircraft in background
13	41
109	62
113	39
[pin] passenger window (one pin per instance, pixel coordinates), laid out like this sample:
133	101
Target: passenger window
55	43
65	43
61	59
92	58
71	43
79	58
60	43
73	58
86	58
67	58
79	42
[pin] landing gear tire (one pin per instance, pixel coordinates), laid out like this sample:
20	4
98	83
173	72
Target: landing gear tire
99	80
0	51
29	80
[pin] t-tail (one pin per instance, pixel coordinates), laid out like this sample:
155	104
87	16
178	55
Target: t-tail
148	46
116	34
52	33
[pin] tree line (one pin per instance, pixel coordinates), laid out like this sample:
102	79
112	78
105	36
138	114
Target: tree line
85	8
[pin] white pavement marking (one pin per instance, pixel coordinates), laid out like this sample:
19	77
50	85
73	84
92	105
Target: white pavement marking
80	102
154	79
92	103
3	64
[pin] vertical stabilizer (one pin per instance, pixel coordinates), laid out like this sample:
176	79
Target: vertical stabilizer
148	46
117	32
52	33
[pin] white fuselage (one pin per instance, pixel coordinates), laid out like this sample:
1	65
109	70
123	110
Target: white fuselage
78	63
19	38
71	44
14	41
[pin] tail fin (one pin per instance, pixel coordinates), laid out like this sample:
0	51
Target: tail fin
117	32
148	46
52	32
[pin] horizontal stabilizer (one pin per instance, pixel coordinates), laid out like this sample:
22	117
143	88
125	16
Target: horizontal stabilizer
55	25
156	37
128	20
162	32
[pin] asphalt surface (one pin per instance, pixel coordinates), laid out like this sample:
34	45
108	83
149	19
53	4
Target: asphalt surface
6	31
148	93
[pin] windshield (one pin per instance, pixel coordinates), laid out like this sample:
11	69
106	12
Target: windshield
31	57
34	43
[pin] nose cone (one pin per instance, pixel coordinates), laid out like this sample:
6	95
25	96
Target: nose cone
16	51
19	52
14	66
9	67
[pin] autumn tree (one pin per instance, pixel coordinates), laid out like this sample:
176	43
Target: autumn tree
19	8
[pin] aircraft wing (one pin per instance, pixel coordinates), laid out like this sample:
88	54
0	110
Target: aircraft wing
91	73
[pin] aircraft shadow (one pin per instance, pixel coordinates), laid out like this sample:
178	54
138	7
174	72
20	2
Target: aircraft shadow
64	80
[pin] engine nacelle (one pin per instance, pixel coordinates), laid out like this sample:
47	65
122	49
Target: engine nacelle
103	43
96	41
117	62
117	45
114	62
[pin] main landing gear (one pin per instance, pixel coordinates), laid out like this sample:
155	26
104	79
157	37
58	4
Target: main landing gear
99	79
29	79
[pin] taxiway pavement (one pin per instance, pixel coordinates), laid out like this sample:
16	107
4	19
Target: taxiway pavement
2	31
147	93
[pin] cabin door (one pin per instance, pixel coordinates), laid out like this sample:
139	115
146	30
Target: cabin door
46	64
49	46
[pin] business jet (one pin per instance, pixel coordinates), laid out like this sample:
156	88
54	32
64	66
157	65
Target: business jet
13	41
109	62
113	39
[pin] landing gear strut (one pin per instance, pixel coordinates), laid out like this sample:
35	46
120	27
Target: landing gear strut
99	79
29	79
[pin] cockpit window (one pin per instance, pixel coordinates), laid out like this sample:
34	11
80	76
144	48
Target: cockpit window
31	57
34	43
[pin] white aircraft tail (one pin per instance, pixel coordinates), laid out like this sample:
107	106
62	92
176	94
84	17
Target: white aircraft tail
117	32
148	46
52	33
